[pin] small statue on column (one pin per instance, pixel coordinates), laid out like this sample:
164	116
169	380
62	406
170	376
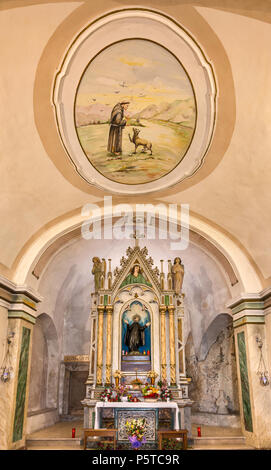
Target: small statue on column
97	271
178	274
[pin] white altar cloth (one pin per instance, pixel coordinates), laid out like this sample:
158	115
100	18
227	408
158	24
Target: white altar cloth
153	405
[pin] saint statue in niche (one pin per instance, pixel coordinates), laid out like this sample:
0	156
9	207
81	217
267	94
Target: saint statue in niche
178	274
135	277
135	335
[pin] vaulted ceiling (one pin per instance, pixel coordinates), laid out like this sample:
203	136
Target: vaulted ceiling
39	185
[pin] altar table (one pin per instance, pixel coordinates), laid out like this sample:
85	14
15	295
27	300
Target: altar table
124	410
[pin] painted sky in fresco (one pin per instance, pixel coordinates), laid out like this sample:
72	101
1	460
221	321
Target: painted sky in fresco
136	70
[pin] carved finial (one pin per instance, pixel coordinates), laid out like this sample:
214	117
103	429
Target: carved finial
116	271
137	235
161	261
122	261
129	251
156	271
150	261
144	251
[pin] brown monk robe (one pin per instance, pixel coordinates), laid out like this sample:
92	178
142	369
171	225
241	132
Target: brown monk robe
135	335
117	124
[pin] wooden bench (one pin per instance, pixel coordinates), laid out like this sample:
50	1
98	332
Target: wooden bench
101	433
182	433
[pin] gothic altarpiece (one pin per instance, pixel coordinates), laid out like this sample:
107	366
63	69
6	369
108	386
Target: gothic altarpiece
137	327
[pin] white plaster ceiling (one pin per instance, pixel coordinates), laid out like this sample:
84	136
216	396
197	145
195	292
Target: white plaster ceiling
36	188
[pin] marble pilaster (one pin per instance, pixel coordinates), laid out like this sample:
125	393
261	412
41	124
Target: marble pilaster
18	315
250	313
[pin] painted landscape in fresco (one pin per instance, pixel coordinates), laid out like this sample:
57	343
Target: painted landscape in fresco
157	112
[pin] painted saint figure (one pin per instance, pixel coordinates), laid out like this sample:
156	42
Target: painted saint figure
135	335
178	274
135	277
117	124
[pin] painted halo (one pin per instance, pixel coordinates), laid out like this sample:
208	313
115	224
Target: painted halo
135	103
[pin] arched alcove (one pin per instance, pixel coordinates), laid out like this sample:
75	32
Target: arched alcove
213	375
43	387
222	321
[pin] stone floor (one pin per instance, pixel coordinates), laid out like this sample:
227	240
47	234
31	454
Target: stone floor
59	437
216	431
60	430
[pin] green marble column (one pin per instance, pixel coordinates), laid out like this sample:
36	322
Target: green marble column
21	386
244	381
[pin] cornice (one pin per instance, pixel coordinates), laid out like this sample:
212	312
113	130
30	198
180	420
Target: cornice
15	289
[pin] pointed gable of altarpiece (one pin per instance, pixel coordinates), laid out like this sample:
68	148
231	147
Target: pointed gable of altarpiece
135	256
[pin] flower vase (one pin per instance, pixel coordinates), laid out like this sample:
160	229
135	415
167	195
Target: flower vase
136	444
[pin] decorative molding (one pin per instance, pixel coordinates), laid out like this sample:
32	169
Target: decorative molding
10	287
250	308
22	316
77	358
24	308
20	301
248	305
249	319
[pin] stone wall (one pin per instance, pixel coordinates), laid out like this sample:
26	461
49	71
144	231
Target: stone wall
214	380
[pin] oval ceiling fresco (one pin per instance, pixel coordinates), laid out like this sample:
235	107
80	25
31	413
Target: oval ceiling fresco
135	112
135	103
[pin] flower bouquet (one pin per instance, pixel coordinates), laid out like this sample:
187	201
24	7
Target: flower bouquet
165	393
132	399
150	392
110	394
135	429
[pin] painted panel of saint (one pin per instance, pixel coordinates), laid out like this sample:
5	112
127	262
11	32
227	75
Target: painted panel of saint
135	277
135	111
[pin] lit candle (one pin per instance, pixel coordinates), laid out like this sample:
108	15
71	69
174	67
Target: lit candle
73	432
199	431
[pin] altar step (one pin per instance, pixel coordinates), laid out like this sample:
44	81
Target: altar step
33	443
219	442
200	443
